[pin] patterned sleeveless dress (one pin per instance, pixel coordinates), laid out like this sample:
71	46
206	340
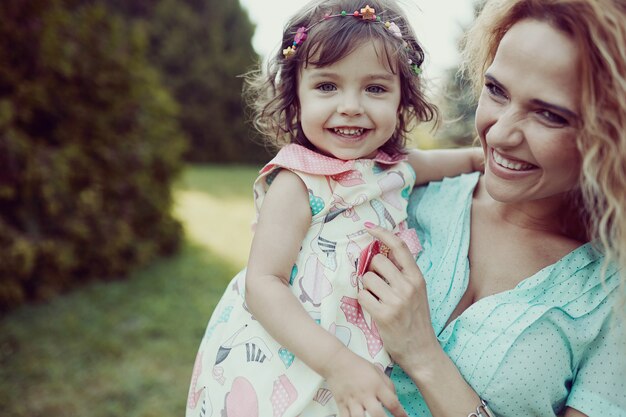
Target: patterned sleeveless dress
240	370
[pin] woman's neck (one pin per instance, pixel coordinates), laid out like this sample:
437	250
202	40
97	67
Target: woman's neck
549	215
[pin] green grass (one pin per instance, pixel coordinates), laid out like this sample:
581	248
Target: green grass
127	348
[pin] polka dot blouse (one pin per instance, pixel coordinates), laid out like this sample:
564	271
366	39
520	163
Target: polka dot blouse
549	343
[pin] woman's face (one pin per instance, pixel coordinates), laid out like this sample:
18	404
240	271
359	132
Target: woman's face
528	114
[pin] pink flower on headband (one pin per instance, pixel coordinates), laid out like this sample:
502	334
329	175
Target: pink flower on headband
300	35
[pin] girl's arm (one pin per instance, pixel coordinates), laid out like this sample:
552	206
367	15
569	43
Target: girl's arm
284	219
434	165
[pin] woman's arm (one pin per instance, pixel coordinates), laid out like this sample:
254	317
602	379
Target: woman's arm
434	165
399	305
284	219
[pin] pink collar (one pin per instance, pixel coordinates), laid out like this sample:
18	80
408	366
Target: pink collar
298	157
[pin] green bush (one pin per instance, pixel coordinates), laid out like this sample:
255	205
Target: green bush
202	47
88	148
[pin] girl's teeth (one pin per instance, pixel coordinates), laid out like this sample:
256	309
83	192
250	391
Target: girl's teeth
348	131
517	166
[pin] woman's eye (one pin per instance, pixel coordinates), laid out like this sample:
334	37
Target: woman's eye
326	87
553	118
494	90
376	89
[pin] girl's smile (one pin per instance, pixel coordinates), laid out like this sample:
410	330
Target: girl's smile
349	132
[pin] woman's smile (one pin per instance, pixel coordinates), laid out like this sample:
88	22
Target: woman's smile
509	163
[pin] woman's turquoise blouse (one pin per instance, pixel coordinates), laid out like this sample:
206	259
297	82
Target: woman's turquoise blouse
548	343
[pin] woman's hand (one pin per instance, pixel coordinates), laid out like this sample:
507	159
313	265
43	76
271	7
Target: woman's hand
395	296
360	388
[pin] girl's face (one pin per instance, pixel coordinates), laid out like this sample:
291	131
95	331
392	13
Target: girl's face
528	114
349	109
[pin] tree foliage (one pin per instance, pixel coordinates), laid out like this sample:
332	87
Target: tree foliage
458	107
88	147
202	47
458	104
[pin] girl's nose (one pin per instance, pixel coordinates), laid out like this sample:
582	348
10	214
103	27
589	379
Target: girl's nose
350	104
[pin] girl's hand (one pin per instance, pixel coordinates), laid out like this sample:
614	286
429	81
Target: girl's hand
360	388
395	297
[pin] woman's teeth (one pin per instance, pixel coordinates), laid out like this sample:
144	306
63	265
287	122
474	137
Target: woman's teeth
517	166
344	131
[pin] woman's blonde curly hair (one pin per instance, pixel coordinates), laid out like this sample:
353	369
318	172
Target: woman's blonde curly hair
598	28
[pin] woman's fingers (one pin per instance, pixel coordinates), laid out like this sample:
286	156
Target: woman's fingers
397	247
375	284
385	271
370	302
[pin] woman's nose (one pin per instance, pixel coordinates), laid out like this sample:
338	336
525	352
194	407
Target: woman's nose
506	129
350	104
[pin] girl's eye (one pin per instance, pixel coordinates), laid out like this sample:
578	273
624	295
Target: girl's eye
376	89
326	87
494	90
553	118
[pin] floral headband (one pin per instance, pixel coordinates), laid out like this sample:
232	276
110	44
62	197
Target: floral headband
366	13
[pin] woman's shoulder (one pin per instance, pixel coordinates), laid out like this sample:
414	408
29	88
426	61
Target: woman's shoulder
578	283
462	185
444	197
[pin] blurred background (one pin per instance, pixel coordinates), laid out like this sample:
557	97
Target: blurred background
126	168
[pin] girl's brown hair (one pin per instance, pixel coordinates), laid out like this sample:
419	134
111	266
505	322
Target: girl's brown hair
272	91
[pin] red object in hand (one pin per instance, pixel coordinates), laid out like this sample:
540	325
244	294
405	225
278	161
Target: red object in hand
367	254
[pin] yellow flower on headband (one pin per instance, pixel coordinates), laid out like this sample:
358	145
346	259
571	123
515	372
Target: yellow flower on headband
289	52
368	13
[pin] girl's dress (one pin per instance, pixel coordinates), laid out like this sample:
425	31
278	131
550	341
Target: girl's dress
240	370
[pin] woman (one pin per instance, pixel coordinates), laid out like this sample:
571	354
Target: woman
527	317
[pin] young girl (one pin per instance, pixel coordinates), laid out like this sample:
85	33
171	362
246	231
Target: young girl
288	338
